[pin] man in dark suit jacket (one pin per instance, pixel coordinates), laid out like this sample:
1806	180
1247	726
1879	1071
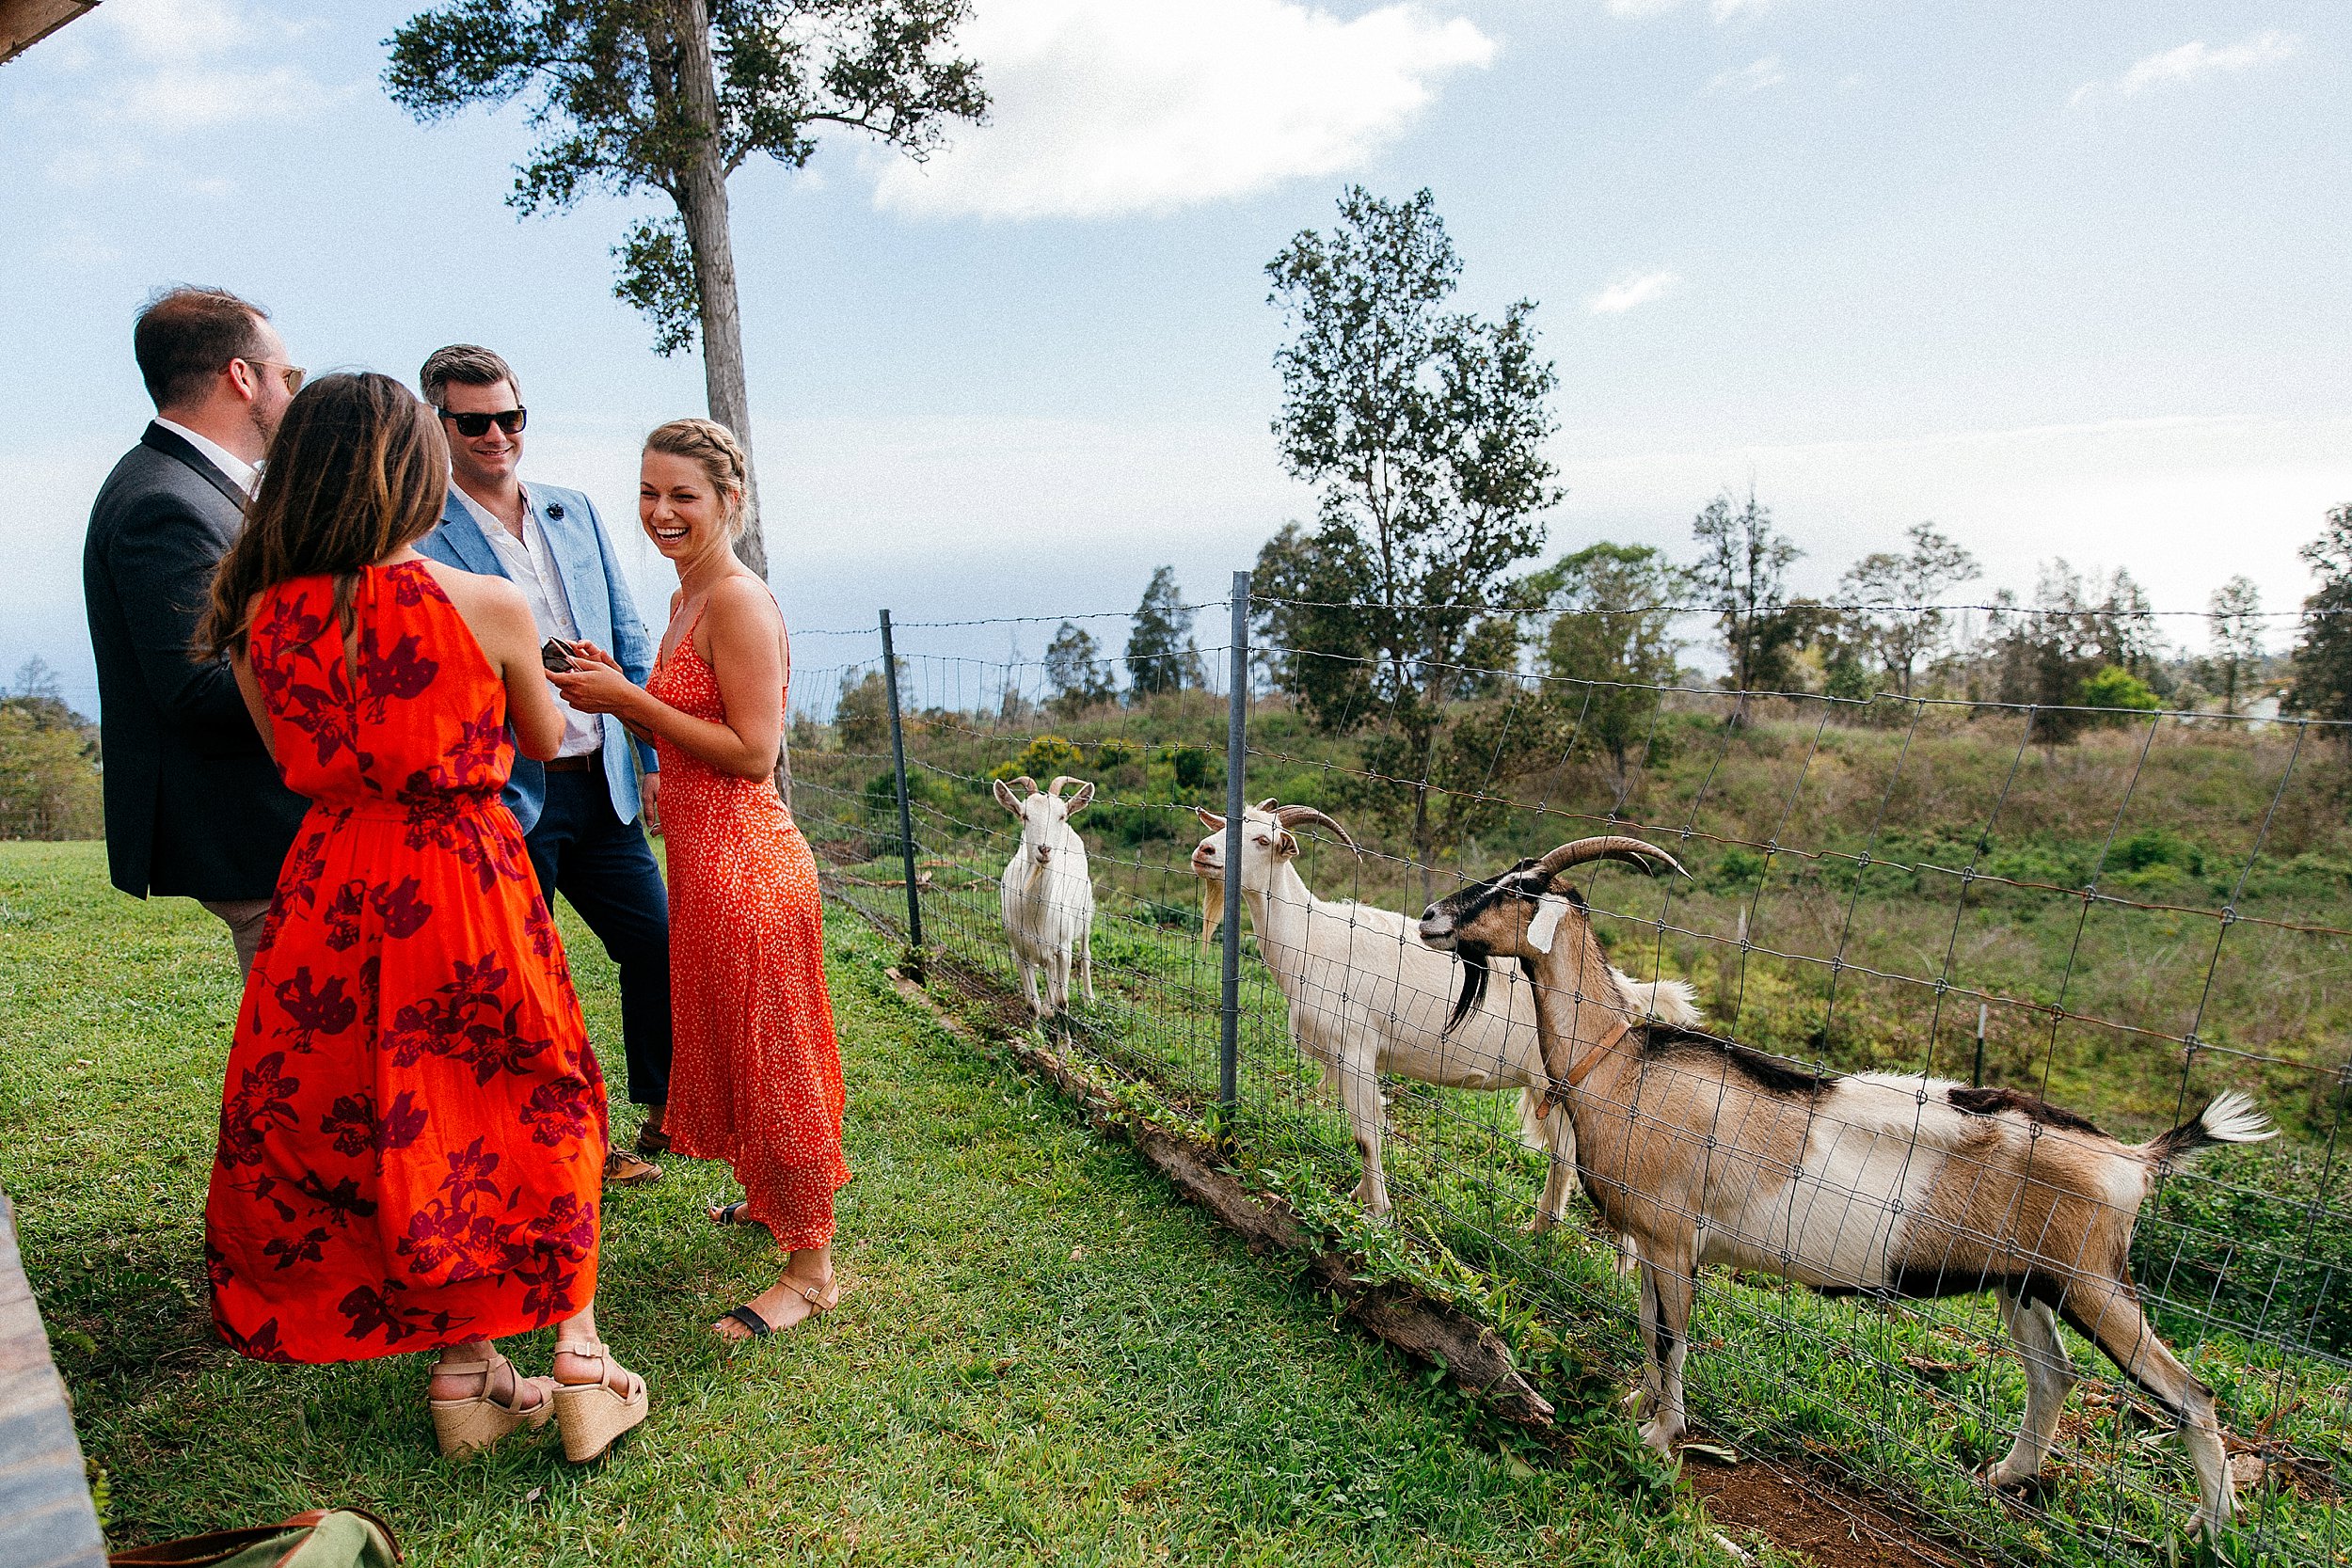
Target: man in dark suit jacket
193	805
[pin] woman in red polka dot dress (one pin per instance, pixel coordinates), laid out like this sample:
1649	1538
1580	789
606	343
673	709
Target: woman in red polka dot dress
756	1075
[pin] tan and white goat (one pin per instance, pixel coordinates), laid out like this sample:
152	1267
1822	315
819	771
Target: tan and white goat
1367	996
1704	1151
1048	895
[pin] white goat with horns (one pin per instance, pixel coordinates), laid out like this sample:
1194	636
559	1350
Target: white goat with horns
1704	1151
1367	996
1048	896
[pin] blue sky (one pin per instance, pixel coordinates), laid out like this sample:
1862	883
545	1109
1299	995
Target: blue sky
2066	279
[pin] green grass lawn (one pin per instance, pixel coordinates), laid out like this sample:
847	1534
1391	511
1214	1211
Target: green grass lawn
1044	1359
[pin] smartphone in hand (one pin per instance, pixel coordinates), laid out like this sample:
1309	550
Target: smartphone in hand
556	655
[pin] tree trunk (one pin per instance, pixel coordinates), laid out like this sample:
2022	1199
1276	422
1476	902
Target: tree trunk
702	200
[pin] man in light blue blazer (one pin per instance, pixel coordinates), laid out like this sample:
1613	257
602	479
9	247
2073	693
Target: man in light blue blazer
579	812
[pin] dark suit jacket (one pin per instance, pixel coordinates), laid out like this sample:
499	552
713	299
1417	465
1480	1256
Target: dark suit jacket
193	805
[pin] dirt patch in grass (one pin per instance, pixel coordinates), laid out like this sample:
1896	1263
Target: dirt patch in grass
1798	1513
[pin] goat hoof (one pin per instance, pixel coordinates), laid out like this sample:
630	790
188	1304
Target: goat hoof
1661	1440
2027	1491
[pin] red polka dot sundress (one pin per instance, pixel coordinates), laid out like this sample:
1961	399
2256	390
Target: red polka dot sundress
755	1074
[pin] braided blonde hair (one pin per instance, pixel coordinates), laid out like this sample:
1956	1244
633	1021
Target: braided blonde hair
712	444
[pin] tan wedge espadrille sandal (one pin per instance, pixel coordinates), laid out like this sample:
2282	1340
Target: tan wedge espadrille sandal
470	1425
592	1416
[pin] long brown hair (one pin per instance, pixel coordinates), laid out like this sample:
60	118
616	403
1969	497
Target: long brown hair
357	468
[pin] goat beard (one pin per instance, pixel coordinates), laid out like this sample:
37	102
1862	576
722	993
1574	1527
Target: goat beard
1474	976
1212	908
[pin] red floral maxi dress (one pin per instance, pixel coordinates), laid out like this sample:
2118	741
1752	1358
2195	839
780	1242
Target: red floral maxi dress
412	1133
756	1072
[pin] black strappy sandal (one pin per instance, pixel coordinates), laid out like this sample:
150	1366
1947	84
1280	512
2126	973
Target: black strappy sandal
736	1212
752	1321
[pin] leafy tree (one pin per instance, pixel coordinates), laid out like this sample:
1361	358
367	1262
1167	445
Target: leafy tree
861	719
2050	655
1742	575
1314	640
1081	676
1160	651
1612	637
1422	431
2235	613
2323	653
1902	624
675	96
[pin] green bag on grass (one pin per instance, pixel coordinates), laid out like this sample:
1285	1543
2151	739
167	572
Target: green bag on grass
320	1537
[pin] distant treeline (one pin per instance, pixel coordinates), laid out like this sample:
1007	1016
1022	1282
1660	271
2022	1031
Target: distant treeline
48	761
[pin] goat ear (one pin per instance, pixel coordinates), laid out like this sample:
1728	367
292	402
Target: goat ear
1269	802
1077	802
1285	844
1546	925
1209	820
1007	798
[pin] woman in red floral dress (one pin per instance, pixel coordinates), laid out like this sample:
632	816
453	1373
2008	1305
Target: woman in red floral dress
756	1078
412	1133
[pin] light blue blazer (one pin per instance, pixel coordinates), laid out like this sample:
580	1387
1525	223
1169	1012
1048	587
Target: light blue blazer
601	609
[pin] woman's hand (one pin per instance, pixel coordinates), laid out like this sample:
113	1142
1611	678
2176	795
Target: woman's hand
595	684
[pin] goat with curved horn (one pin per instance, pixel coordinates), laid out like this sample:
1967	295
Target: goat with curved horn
1025	779
1635	852
1292	817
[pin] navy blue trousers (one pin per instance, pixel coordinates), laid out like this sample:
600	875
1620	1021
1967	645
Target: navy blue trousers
581	848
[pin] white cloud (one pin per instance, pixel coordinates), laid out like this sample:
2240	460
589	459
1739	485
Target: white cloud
1633	289
2188	64
185	98
159	69
1110	106
1753	77
1722	11
178	29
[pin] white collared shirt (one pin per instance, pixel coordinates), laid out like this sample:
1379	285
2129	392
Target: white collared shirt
244	475
531	567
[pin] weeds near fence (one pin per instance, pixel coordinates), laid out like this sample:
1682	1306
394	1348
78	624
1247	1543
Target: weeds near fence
2123	912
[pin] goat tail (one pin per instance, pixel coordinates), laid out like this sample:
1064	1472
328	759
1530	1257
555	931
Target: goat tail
1531	1131
2230	1117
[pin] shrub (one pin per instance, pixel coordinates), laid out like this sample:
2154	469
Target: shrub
2114	687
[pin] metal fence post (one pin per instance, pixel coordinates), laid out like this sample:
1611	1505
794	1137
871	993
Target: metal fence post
1236	805
906	814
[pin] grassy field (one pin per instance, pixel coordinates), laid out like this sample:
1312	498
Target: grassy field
1978	849
1044	1357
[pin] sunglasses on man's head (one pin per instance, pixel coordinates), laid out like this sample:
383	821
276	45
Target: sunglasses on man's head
471	426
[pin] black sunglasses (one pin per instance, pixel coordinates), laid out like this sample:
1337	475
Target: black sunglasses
471	426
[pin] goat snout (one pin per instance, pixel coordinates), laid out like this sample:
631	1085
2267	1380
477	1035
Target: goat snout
1437	928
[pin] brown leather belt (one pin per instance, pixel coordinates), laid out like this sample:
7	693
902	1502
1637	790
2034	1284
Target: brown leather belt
584	763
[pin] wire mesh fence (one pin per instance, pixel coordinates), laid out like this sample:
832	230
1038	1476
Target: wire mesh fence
1927	924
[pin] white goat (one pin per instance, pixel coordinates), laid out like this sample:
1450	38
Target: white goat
1048	894
1704	1151
1367	996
